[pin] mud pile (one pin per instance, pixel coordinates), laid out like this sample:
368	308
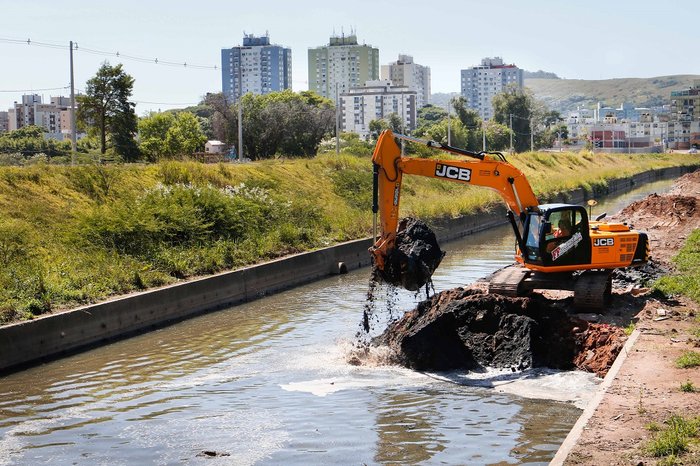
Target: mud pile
665	209
414	259
468	329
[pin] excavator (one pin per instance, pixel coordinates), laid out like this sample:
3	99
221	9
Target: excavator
557	246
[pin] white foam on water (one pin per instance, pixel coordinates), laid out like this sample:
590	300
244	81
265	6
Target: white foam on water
575	387
240	436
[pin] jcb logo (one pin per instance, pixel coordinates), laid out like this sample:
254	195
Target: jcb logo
603	242
453	173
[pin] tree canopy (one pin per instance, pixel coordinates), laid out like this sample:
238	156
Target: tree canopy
519	104
105	107
170	134
279	123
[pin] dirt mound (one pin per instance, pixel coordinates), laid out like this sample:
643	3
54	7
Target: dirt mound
415	257
668	218
674	207
687	184
468	329
600	345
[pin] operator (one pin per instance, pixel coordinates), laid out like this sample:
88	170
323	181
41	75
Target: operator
563	230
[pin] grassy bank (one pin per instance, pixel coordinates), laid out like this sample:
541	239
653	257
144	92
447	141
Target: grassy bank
74	235
685	280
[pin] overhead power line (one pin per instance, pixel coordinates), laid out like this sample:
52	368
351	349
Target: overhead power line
154	61
36	90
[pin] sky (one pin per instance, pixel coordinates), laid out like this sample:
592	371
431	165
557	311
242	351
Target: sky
576	40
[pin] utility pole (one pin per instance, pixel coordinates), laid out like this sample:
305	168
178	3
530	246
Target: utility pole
73	132
532	136
403	124
240	106
337	120
483	135
511	133
449	123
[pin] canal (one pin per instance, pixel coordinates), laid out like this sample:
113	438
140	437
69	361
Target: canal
267	382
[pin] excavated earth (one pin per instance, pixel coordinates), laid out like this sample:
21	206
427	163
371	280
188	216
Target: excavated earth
466	328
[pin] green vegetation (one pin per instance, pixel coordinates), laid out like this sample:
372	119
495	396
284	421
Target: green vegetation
105	110
688	387
168	135
27	142
685	280
71	235
688	359
630	328
675	438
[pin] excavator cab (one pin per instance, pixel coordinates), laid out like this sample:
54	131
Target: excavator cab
557	234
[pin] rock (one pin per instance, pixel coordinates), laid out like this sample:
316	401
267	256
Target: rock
415	257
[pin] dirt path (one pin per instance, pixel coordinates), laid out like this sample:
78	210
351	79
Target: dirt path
647	388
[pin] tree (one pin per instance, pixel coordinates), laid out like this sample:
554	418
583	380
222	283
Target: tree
223	119
471	121
29	140
106	106
377	126
459	135
430	114
516	102
497	136
170	134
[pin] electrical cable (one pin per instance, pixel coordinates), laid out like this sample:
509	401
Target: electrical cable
117	54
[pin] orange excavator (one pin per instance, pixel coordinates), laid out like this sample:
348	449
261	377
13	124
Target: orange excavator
557	246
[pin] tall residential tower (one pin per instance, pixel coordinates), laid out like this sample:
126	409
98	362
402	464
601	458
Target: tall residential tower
341	65
404	72
256	67
480	84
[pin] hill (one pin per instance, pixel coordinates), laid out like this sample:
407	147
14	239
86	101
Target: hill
565	95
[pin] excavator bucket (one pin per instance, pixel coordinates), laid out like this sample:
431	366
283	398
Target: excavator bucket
410	259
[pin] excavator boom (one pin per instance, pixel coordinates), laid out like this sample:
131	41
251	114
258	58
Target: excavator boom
489	170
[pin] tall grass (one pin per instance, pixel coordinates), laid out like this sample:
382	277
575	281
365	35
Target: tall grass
74	235
685	280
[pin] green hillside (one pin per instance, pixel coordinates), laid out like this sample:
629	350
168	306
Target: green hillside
566	94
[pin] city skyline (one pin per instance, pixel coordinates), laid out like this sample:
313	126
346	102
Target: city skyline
593	41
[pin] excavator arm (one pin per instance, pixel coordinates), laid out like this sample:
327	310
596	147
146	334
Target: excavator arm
489	170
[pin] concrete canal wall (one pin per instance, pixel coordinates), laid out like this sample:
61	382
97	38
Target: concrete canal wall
58	334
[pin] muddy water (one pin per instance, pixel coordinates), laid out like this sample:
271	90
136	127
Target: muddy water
267	383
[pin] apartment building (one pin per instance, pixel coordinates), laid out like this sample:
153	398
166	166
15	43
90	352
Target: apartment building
256	66
404	72
4	122
341	65
684	124
54	117
374	101
480	84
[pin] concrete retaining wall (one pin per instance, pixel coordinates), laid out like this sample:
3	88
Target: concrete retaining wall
55	335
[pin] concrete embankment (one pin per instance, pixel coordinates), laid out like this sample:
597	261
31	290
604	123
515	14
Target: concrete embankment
54	335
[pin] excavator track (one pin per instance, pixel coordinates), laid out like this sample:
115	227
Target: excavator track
592	290
507	281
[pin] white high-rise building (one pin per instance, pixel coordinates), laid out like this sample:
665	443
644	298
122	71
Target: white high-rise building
257	67
54	117
341	65
480	84
404	72
376	100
